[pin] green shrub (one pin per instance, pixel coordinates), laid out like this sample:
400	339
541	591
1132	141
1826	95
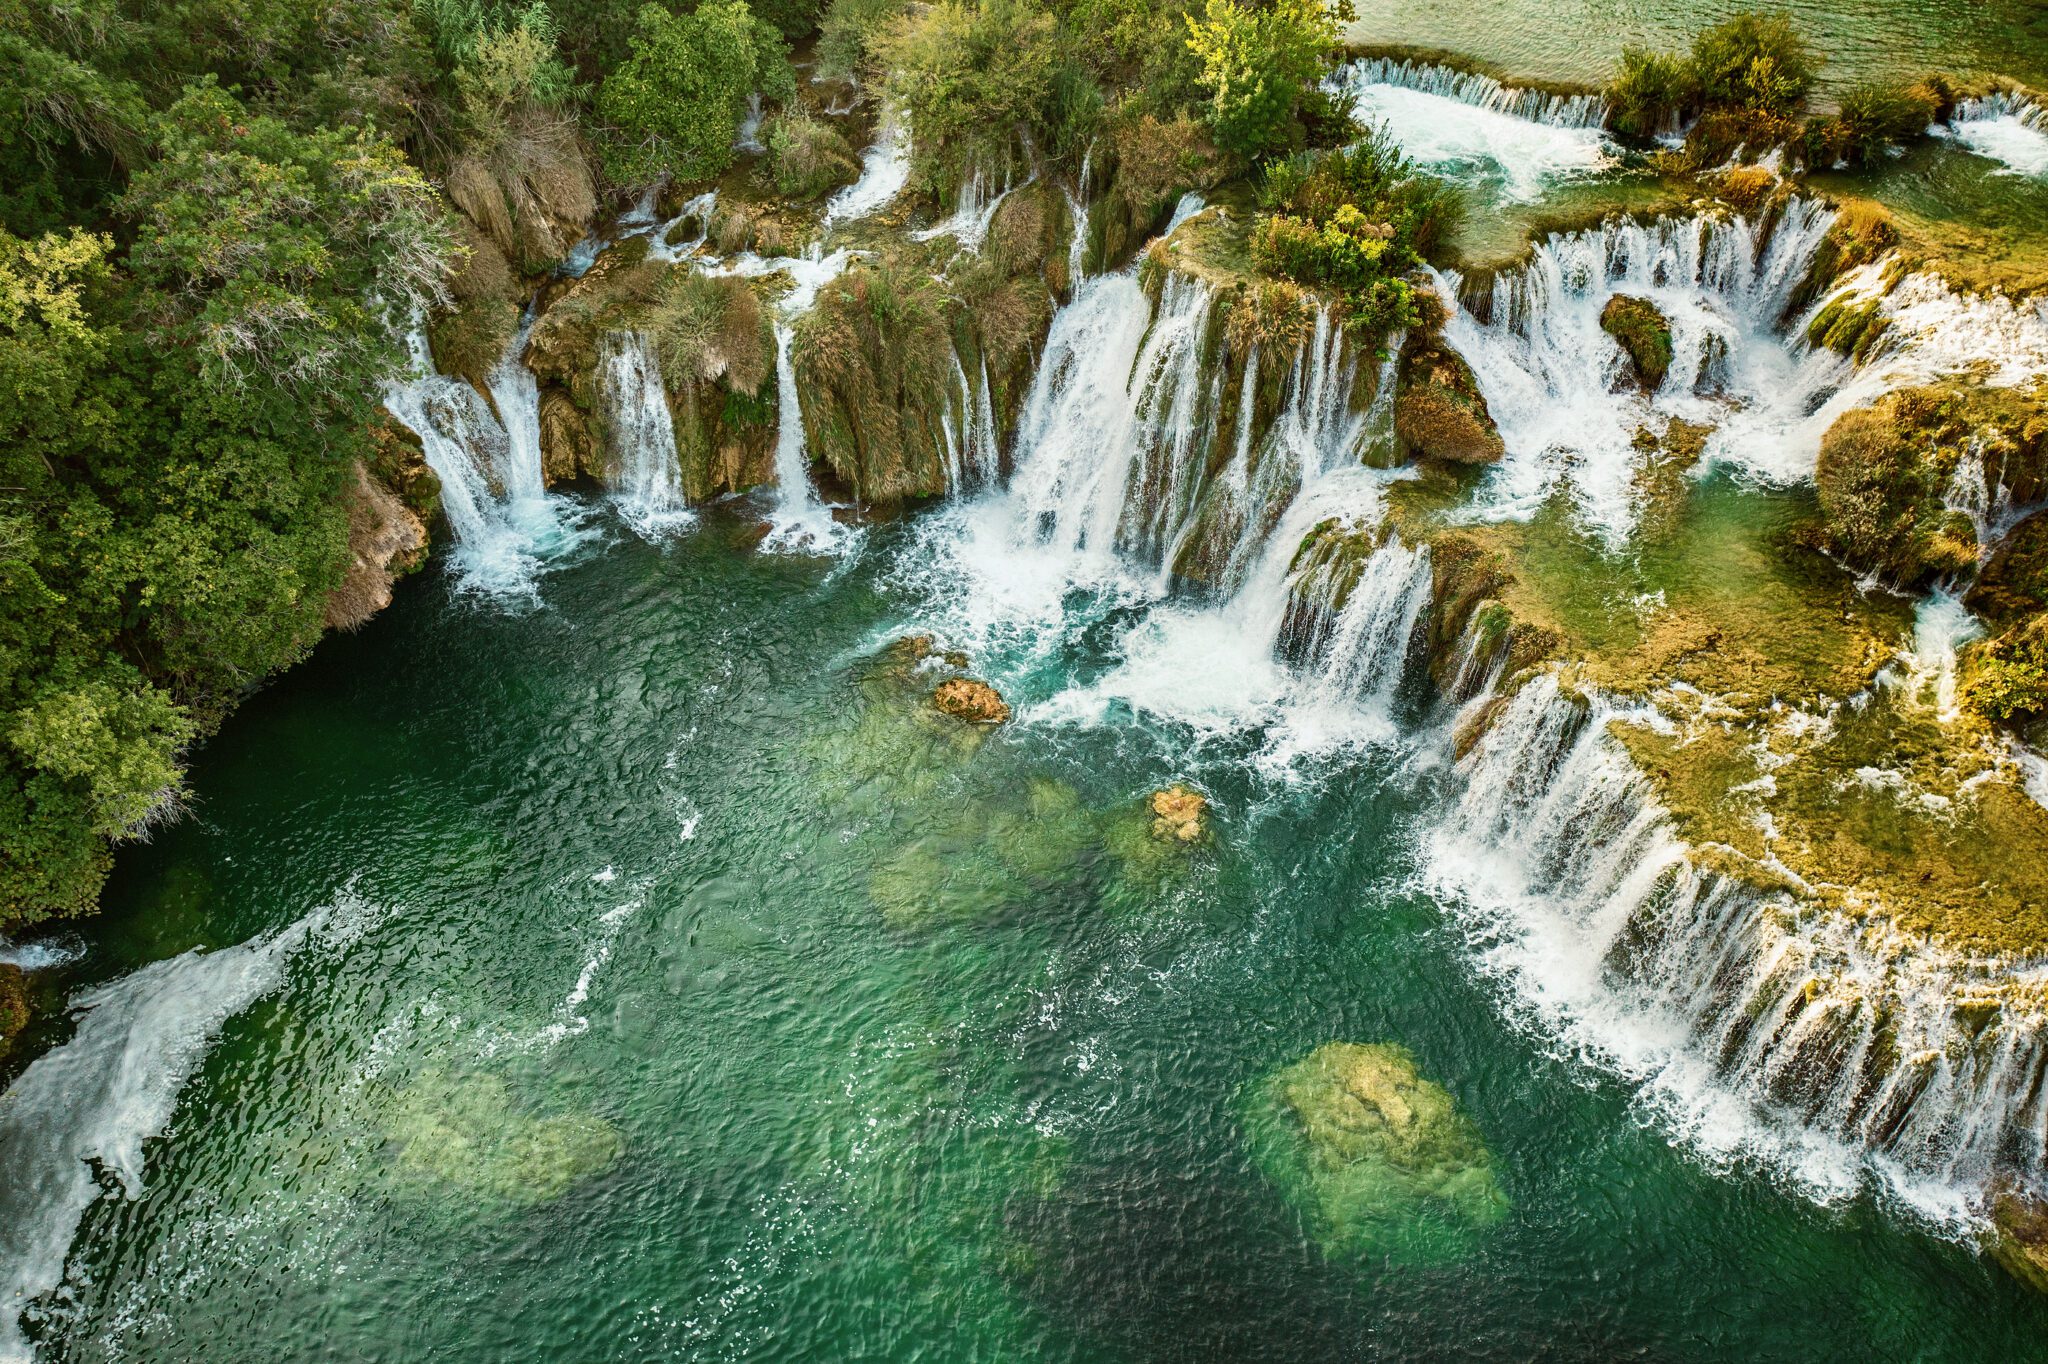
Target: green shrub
675	105
2010	682
1754	61
809	156
1258	64
971	77
849	26
1651	94
1873	119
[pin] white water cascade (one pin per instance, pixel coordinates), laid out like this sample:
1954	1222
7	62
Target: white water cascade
2006	127
647	475
884	171
973	451
493	490
1786	1038
1455	121
78	1117
970	220
1077	212
1555	381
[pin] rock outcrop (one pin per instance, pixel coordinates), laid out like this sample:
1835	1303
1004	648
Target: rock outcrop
966	698
1644	336
1440	412
386	540
1179	815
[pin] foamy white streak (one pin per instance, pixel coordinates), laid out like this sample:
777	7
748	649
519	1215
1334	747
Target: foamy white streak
91	1103
884	171
649	476
2005	127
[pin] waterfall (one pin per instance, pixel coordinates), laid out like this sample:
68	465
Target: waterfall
1365	617
1553	379
748	138
81	1113
1077	240
884	171
1758	1030
493	489
971	219
802	521
972	450
1975	491
1941	625
1481	92
1111	414
647	475
1522	141
2004	126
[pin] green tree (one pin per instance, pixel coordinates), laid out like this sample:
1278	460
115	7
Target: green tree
1259	62
675	105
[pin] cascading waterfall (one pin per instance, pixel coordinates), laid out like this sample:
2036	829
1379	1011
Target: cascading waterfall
1523	141
1554	380
1365	618
82	1111
1984	497
1077	208
647	475
1115	401
1759	1031
2004	126
884	171
1481	92
969	223
493	489
972	450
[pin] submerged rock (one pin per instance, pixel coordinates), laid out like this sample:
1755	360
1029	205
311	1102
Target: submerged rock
464	1133
1440	413
1178	814
972	700
2019	1236
1379	1157
1644	335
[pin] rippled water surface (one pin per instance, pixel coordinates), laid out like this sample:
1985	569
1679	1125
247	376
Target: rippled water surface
1579	40
685	992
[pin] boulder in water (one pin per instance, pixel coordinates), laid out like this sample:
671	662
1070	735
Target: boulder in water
1380	1158
1644	336
1440	413
972	700
2019	1236
1178	814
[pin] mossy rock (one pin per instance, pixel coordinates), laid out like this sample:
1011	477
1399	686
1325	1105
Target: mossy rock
2018	1238
13	1004
1380	1159
465	1134
1440	412
1644	335
1884	472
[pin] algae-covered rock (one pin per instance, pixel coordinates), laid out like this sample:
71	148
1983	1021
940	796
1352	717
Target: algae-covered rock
1644	336
1380	1158
1886	474
1179	814
13	1003
1440	413
464	1133
972	700
2019	1236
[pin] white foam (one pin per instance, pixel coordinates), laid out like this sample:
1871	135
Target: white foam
1469	126
884	171
90	1104
2004	127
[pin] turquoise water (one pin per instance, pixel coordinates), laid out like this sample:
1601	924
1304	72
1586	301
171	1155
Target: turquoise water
1580	40
687	991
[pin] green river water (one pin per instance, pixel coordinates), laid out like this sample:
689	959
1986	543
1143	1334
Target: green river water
1580	40
686	993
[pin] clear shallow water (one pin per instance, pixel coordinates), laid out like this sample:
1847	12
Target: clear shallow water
684	995
1580	40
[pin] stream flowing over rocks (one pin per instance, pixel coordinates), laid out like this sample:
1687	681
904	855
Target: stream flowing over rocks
893	800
